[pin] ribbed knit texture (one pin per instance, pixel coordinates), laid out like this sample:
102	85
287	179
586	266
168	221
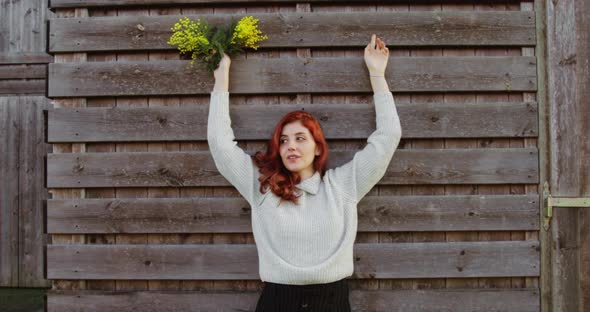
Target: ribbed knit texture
312	242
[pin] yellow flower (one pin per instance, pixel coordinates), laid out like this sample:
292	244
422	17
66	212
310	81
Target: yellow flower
246	32
189	36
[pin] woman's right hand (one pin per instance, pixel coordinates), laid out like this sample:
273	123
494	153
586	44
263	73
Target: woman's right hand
222	70
221	74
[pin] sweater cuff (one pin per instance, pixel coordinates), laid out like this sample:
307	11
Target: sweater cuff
220	104
381	95
384	109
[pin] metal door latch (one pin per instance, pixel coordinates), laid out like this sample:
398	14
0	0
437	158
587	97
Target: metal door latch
563	202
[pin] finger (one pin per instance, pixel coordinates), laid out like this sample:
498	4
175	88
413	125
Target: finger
373	41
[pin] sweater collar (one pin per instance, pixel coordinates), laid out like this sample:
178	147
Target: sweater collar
311	184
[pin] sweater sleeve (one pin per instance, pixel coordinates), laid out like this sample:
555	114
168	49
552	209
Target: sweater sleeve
232	162
357	177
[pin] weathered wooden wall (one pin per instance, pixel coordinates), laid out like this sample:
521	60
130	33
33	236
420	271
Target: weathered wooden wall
568	67
139	210
23	68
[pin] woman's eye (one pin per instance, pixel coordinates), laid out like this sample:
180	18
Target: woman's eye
283	140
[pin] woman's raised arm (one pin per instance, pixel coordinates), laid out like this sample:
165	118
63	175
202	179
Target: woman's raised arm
231	161
368	166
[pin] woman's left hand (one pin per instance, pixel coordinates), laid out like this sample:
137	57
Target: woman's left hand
376	56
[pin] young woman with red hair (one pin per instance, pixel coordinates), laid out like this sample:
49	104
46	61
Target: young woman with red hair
304	217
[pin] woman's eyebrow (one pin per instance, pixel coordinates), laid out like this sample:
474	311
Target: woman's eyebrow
282	135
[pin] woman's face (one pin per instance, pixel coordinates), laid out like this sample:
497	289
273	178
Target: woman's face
296	140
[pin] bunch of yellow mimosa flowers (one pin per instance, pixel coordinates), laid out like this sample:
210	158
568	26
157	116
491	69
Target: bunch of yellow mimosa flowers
208	43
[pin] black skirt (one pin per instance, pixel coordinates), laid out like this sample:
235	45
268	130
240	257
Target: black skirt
330	297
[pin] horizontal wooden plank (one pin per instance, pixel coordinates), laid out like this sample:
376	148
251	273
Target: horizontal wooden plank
33	86
297	30
394	300
119	3
424	166
255	122
25	58
293	75
240	262
35	71
233	215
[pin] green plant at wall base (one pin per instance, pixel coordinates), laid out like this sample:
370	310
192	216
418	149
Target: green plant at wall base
208	43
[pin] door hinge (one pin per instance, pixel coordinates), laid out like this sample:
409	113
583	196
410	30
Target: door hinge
563	202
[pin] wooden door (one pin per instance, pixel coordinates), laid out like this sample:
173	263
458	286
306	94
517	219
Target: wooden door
568	72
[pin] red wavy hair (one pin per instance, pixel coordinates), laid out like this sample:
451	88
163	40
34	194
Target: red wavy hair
273	173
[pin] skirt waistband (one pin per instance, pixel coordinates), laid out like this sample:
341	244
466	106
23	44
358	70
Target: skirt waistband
333	285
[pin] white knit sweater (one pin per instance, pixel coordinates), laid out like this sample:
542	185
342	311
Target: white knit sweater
309	243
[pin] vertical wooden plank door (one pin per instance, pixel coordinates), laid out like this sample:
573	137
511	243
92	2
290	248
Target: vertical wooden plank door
568	72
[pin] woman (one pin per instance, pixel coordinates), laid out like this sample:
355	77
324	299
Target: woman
304	218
